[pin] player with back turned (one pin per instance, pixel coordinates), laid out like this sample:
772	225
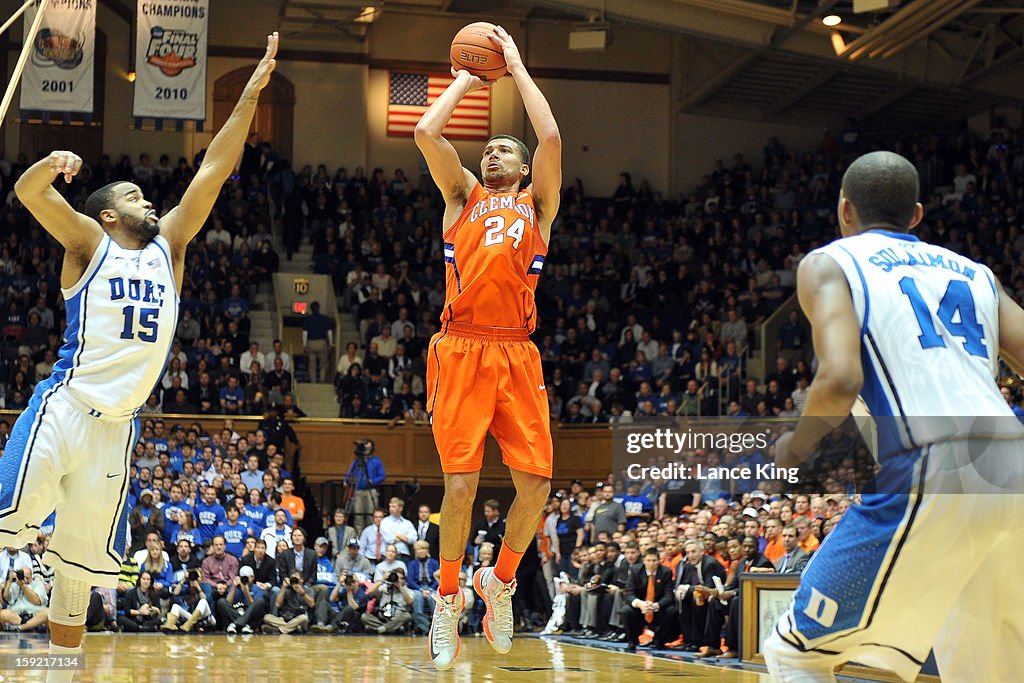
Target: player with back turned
917	331
69	450
484	373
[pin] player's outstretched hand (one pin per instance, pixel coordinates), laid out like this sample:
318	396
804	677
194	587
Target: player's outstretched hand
475	82
261	76
65	162
503	40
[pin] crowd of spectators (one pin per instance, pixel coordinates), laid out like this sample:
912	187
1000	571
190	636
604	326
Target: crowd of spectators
647	307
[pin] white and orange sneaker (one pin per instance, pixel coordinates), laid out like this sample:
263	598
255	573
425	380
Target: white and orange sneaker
497	596
443	640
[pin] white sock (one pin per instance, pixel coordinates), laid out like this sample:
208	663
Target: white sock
62	675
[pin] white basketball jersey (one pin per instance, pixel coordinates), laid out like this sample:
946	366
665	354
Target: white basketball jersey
122	314
929	337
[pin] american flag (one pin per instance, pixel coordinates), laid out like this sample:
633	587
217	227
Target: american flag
409	95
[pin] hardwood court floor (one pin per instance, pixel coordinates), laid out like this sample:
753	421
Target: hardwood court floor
158	658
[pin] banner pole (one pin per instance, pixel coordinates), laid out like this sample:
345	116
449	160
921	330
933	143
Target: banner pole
22	59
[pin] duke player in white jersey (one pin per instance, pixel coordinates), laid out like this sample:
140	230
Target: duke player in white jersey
925	562
70	449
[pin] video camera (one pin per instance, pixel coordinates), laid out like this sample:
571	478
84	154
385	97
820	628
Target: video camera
364	447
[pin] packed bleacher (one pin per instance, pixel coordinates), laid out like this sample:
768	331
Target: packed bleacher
648	306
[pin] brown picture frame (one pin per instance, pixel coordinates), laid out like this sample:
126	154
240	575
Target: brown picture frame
769	590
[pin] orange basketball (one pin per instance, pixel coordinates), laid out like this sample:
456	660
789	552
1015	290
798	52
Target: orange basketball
473	51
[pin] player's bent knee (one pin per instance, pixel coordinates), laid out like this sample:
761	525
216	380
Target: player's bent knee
69	601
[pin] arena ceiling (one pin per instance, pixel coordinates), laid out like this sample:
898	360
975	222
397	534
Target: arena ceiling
916	63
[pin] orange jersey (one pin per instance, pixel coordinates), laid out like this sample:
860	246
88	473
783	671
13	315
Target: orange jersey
494	254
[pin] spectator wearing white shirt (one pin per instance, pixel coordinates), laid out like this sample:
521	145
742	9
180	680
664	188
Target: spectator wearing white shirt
253	354
13	559
278	352
398	530
218	234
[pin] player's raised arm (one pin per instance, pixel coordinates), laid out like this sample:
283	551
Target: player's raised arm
185	221
825	299
454	180
547	160
1011	331
78	234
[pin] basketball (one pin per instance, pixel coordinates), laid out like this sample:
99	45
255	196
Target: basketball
473	51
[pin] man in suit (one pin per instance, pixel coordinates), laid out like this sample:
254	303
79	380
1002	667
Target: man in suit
695	582
428	531
794	560
650	603
302	559
340	533
727	602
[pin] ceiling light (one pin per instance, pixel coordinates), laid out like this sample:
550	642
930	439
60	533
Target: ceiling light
832	20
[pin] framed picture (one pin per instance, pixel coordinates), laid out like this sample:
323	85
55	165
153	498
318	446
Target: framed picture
765	598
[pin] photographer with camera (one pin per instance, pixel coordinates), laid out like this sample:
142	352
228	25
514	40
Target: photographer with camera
364	475
388	564
13	559
293	604
26	600
394	602
188	602
244	605
351	593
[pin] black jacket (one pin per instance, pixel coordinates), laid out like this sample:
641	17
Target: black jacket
266	572
709	567
286	565
636	587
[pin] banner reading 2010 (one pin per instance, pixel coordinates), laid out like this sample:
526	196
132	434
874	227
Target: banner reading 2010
170	59
59	74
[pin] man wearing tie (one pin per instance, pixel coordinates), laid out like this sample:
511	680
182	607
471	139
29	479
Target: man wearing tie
371	541
694	586
649	596
794	560
428	531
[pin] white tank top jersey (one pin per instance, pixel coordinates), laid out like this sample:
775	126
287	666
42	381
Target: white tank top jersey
122	314
929	339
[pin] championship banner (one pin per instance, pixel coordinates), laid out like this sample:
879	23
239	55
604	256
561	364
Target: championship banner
170	59
59	73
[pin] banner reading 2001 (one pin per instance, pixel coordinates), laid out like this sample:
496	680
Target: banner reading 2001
170	59
58	75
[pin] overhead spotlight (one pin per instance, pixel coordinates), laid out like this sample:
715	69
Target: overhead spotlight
832	20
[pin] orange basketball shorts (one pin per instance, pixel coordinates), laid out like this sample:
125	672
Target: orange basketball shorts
485	379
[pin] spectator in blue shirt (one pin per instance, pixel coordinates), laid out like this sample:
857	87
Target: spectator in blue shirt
172	513
638	508
350	594
232	397
256	512
234	531
209	516
236	308
326	581
244	605
367	473
420	572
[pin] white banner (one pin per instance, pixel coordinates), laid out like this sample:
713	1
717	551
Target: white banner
59	73
170	59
